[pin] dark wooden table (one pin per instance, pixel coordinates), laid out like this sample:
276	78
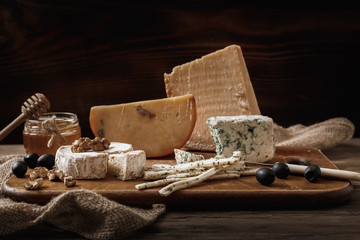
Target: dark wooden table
303	62
239	222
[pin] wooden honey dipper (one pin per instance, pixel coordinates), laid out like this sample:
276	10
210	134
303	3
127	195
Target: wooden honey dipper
33	108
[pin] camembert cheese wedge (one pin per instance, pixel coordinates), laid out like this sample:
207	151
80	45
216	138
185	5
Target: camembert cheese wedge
127	166
155	126
83	165
221	86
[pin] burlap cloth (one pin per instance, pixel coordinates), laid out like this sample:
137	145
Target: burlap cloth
323	135
96	217
84	212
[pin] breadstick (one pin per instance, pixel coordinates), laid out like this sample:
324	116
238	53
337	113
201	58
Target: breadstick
188	182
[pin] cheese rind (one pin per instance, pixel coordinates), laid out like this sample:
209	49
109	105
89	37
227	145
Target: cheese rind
221	86
118	147
155	126
83	165
252	135
127	166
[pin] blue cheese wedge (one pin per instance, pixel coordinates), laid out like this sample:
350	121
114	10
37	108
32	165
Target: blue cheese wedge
250	134
127	166
182	156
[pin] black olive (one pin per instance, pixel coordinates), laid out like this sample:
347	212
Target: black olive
281	170
265	176
312	173
47	160
19	168
31	160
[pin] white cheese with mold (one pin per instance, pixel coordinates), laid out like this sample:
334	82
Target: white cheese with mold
127	166
95	164
83	165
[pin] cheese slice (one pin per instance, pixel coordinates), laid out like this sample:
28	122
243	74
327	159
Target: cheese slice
127	166
221	86
155	126
252	135
83	165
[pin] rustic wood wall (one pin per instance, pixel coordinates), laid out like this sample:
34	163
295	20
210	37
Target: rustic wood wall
303	62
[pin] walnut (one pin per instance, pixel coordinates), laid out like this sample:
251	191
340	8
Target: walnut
100	144
33	185
55	175
52	176
39	172
34	175
69	181
85	144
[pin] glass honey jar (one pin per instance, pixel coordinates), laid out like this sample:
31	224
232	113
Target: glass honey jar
50	131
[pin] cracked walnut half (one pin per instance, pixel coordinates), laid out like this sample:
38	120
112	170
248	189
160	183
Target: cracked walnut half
86	144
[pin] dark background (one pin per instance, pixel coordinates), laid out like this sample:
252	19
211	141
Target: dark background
303	61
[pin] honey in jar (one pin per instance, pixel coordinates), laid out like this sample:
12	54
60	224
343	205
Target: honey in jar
50	131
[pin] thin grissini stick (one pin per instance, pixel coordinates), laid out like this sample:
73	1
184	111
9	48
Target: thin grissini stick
157	183
224	176
188	182
183	176
158	167
196	172
165	181
216	165
208	163
222	172
154	175
202	165
326	172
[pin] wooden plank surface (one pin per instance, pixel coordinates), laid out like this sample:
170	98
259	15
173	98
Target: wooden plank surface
244	191
240	222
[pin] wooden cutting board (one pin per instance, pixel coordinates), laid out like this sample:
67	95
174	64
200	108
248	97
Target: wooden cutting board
245	191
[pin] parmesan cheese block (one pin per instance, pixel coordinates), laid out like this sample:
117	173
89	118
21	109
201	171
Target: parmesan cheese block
83	165
253	136
127	166
221	86
155	126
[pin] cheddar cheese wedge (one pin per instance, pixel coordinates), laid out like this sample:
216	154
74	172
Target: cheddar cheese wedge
155	126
